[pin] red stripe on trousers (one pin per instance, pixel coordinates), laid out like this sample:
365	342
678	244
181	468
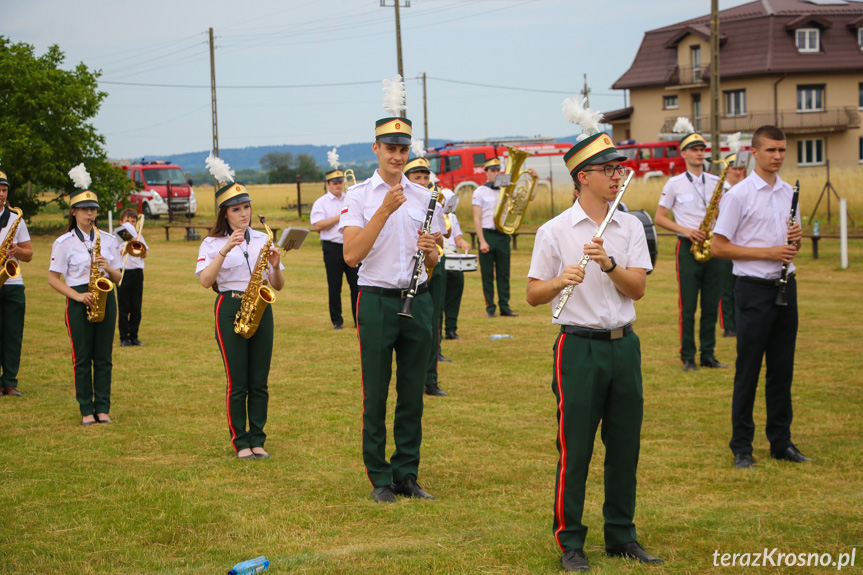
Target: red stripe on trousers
227	372
679	299
561	478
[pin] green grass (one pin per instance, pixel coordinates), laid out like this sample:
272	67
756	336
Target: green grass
159	491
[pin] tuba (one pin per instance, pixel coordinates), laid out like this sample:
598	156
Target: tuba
258	294
9	268
513	198
99	287
701	250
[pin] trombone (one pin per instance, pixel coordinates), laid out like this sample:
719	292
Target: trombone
134	248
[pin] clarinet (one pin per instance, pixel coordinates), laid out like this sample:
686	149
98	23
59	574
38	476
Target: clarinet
783	279
567	291
419	257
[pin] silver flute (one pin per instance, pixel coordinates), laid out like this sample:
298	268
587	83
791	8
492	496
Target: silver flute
567	291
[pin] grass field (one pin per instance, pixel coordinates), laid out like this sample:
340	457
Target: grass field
158	491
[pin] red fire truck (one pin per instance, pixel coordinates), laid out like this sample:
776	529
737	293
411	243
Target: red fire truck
458	165
657	158
160	183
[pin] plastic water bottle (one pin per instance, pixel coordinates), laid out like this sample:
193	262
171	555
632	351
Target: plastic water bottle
250	567
815	228
501	336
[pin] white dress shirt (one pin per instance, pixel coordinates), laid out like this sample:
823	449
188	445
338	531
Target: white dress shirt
132	262
326	207
486	198
236	270
449	243
687	196
595	303
21	235
390	262
754	215
71	257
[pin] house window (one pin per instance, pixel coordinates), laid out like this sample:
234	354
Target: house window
860	38
807	39
735	103
810	152
860	96
695	61
860	156
670	102
810	98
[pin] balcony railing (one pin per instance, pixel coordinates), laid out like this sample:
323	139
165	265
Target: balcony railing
686	75
790	121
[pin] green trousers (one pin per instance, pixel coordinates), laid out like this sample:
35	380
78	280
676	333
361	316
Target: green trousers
596	380
247	368
12	308
92	346
726	298
452	299
437	289
382	332
496	261
694	277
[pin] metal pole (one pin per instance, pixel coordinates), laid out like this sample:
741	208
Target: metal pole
715	143
215	116
399	48
425	113
551	184
843	231
299	200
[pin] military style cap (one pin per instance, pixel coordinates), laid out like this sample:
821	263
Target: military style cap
393	131
335	176
232	194
595	149
417	165
492	163
83	199
731	158
3	179
693	139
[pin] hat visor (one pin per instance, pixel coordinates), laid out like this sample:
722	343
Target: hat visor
610	156
241	199
85	204
418	169
336	180
395	139
4	183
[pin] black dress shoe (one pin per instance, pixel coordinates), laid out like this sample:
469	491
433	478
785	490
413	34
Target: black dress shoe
440	357
743	461
126	343
137	342
451	334
712	362
434	389
790	453
13	391
408	487
508	313
689	365
631	550
489	314
337	326
574	560
730	333
384	494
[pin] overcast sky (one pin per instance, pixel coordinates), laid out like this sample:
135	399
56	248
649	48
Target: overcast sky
265	48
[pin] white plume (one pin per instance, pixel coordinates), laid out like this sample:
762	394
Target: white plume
433	178
417	148
333	159
219	169
575	112
394	96
733	142
80	176
683	126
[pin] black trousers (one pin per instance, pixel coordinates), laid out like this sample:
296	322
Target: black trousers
129	297
764	329
334	262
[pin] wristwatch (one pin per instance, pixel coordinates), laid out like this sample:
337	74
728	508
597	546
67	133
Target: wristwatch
613	265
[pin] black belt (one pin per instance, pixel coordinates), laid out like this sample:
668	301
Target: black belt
393	292
492	230
233	293
765	282
602	334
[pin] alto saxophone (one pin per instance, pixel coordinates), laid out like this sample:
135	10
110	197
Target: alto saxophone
701	250
99	287
9	268
258	294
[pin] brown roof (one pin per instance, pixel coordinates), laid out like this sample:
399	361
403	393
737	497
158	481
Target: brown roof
755	41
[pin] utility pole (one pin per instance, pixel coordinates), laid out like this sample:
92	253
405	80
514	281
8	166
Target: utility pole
399	39
215	115
715	143
425	113
586	93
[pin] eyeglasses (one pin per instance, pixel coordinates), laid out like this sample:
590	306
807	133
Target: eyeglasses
609	170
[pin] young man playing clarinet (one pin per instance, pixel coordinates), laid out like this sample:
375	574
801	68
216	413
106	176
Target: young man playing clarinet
752	230
382	221
597	356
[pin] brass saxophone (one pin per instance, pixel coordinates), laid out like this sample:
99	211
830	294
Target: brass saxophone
701	250
258	294
9	268
99	287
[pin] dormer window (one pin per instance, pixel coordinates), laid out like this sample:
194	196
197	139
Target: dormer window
860	38
808	39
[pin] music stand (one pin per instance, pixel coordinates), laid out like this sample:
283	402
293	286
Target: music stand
828	188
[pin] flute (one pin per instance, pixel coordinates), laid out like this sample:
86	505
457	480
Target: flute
420	258
783	279
567	291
